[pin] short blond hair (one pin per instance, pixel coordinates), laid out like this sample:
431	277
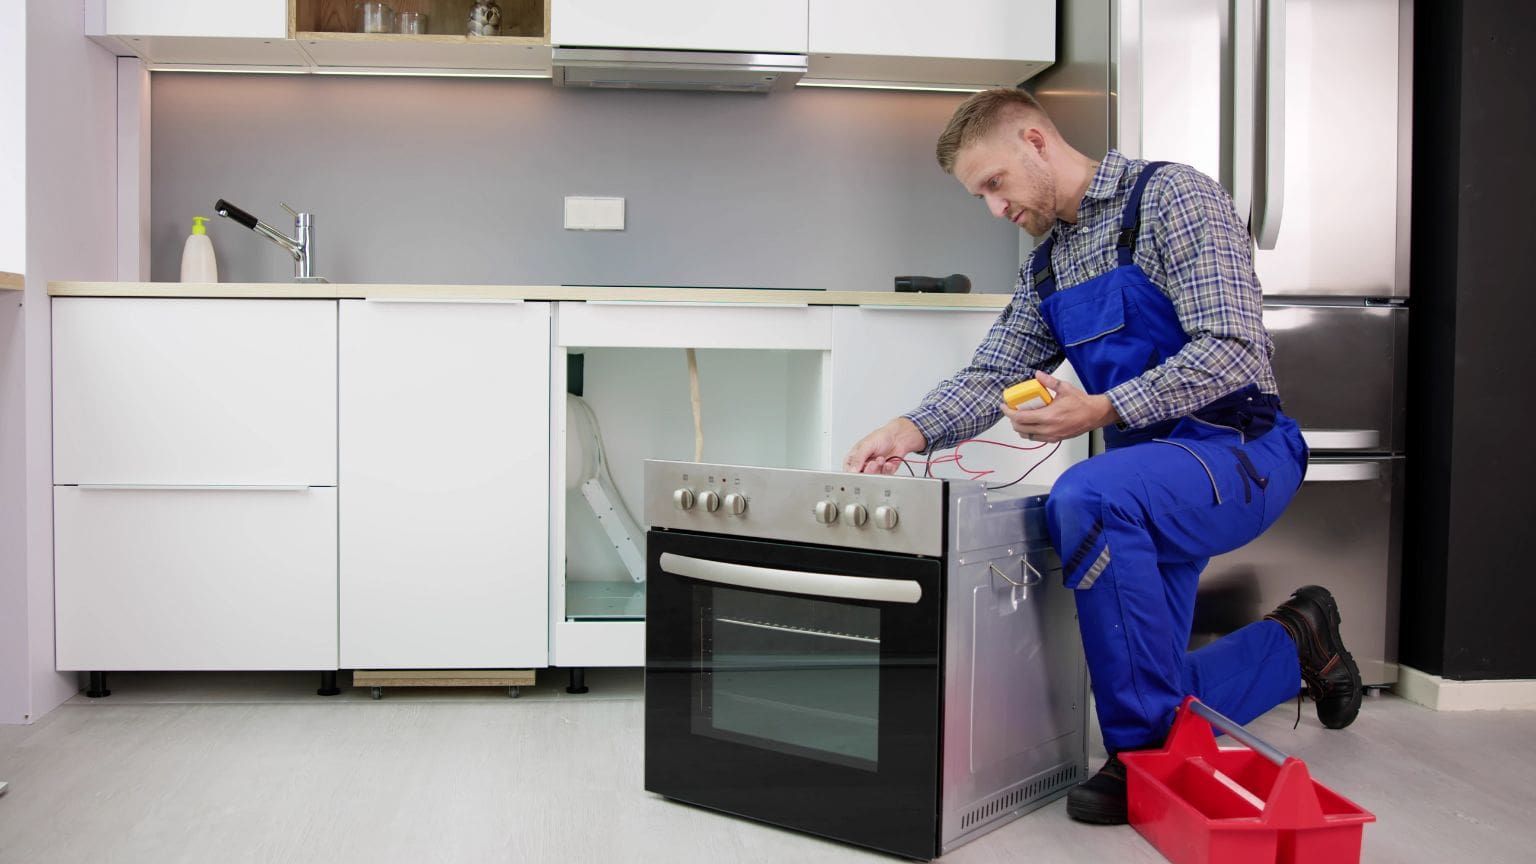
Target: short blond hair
979	115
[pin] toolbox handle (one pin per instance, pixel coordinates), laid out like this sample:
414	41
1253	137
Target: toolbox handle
1222	722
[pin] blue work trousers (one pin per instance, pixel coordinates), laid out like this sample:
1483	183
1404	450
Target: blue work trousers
1135	526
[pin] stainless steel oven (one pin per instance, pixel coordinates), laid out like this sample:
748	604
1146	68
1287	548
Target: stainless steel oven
887	661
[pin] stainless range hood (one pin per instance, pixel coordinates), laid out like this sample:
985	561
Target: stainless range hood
630	69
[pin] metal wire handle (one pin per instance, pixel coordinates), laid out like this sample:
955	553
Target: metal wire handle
1237	732
1024	562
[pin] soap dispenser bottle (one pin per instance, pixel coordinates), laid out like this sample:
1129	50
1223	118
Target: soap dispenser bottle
197	262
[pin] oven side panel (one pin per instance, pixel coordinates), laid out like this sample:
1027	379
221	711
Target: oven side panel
1015	682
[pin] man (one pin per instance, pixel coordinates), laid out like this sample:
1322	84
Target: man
1145	282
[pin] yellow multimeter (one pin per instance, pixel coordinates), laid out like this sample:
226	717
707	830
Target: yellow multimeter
1027	394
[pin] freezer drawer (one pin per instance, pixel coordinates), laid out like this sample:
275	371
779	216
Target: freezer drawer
1342	372
1341	531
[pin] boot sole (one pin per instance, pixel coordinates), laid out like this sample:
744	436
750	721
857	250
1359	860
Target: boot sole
1324	598
1096	815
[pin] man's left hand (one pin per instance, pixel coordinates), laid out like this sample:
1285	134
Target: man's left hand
1069	415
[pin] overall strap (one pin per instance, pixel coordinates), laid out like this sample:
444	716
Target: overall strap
1044	276
1130	220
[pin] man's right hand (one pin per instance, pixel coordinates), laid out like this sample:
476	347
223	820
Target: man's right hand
880	451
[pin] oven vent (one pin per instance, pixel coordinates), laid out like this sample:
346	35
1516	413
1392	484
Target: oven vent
1020	795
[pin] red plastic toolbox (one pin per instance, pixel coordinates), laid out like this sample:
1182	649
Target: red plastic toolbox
1199	804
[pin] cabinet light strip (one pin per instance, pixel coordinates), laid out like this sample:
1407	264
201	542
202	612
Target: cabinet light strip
892	85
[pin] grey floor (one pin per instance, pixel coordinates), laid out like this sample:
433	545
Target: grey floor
206	767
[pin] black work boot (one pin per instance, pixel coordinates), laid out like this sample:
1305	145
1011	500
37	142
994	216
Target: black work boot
1100	800
1312	618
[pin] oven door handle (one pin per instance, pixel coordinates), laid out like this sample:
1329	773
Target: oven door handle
793	581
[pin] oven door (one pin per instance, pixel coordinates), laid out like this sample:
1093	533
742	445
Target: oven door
797	685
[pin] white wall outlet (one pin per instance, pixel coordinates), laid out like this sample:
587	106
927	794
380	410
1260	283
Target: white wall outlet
594	214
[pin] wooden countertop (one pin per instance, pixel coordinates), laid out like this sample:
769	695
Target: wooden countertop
11	281
342	291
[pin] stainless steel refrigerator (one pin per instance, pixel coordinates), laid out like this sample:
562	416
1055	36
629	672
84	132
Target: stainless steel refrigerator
1302	108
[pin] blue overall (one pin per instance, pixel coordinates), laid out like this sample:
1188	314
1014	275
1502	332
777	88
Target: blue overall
1135	525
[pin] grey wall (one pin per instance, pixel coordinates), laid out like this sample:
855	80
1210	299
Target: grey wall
462	181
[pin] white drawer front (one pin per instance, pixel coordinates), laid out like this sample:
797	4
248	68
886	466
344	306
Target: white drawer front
634	324
194	392
182	580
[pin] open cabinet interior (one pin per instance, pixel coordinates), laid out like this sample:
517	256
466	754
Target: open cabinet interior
626	405
518	18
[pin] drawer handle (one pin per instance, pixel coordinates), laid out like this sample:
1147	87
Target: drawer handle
167	487
710	304
483	301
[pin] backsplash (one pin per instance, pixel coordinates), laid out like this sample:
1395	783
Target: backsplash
463	181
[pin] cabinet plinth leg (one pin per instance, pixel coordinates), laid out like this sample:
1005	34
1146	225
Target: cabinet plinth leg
328	684
578	681
98	686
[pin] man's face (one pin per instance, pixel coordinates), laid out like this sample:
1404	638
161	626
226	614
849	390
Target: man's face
1007	173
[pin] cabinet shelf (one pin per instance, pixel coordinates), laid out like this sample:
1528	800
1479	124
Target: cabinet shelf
428	39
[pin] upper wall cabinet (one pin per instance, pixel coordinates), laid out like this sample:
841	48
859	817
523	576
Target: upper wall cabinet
325	35
769	26
964	43
195	32
515	39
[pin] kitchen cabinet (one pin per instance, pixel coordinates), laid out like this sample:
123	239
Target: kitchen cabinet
444	455
876	375
621	387
768	26
174	579
194	472
302	478
966	43
326	31
188	392
230	32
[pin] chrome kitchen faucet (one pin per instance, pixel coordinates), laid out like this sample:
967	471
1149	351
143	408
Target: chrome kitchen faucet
300	246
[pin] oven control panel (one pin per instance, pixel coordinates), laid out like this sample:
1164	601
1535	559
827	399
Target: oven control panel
858	511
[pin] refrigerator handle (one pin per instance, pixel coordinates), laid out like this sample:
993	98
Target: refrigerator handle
1240	107
1269	195
1342	472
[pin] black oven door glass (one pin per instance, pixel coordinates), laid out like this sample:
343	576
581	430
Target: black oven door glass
789	674
812	712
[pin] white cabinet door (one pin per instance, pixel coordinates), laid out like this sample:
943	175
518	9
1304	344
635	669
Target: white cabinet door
445	479
877	375
252	19
965	42
775	26
194	392
230	33
157	579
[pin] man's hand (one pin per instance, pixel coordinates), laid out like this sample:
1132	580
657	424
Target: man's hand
1072	413
880	451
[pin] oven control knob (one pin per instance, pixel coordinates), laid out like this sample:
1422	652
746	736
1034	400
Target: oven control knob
885	517
826	512
710	500
682	499
856	515
735	504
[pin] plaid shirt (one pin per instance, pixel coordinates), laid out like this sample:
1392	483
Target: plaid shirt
1192	246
